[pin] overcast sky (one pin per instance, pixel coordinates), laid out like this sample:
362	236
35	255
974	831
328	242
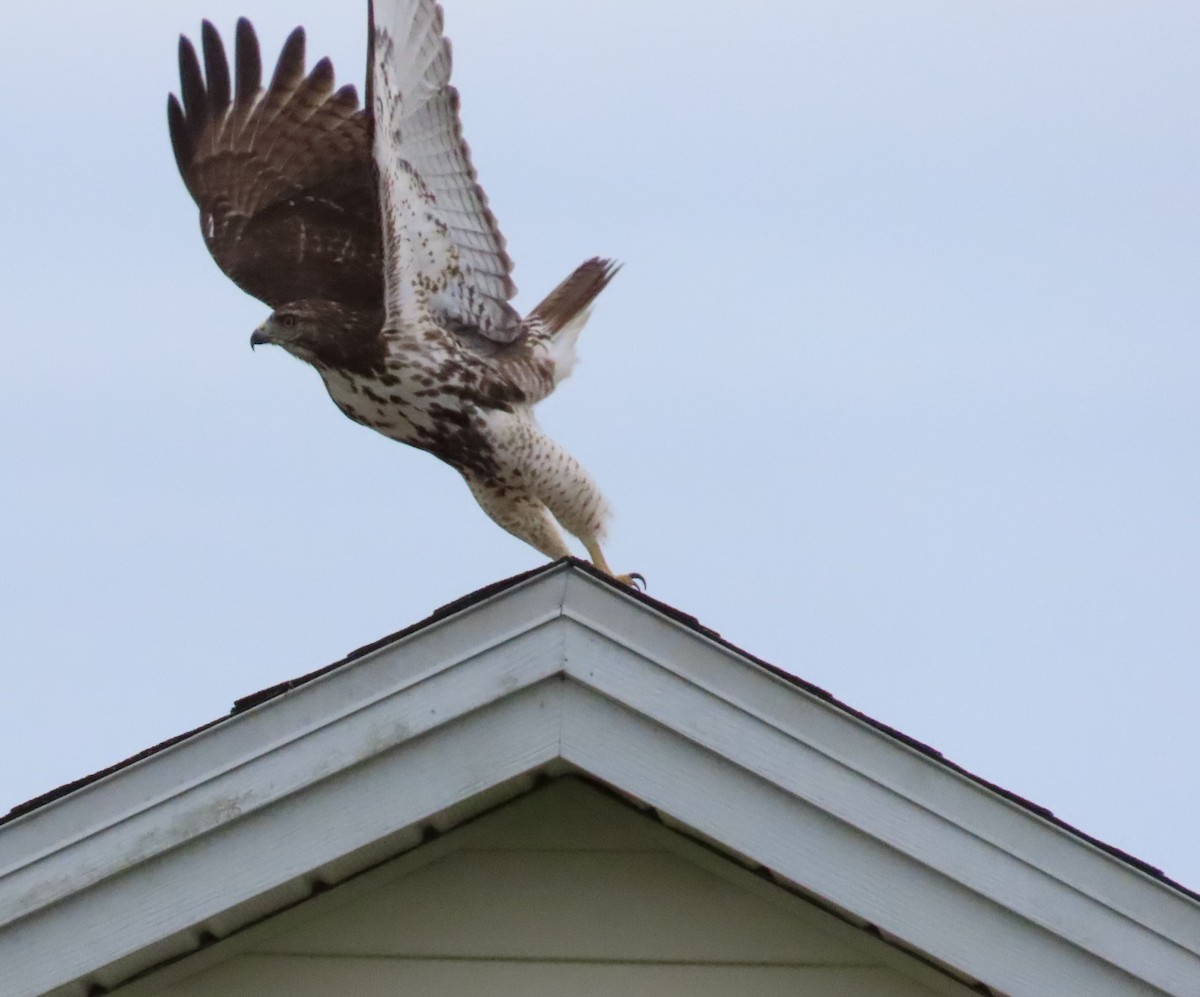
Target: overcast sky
897	389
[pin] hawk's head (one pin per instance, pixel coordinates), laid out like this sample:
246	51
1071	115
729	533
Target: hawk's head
326	334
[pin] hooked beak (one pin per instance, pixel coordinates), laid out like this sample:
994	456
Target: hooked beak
259	336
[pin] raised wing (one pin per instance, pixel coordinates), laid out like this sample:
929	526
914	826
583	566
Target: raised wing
444	254
283	176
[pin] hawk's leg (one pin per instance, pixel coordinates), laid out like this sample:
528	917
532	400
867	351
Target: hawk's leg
597	555
523	515
539	483
574	500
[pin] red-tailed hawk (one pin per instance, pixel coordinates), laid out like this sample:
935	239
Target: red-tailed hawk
367	233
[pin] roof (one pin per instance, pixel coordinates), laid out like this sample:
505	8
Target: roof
691	622
561	670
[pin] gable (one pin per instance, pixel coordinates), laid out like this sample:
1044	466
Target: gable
559	672
563	891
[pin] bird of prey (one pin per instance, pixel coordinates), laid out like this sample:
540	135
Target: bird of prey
367	233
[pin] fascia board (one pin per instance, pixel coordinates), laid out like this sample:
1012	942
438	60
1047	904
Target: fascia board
996	853
162	800
411	731
832	861
241	858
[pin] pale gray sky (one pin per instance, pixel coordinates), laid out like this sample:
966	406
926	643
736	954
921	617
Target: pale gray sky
897	388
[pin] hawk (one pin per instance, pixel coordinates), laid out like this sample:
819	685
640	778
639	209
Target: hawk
367	233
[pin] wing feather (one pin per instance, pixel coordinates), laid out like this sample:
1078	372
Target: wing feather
444	254
283	176
216	68
249	65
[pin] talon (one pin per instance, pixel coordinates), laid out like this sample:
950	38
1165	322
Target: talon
633	579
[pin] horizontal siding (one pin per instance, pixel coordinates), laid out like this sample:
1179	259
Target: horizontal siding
567	905
562	892
283	976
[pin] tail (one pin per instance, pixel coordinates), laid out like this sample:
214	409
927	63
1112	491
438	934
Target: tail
564	312
563	305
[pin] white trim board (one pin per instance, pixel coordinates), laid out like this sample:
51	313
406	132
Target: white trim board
559	670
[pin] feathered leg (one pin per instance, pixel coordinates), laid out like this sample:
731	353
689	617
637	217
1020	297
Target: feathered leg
561	485
575	501
538	482
523	515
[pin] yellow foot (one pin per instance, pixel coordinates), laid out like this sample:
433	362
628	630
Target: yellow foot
633	579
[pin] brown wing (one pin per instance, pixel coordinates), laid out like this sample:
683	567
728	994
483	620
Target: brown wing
283	177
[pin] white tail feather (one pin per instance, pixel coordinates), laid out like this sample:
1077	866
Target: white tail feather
561	346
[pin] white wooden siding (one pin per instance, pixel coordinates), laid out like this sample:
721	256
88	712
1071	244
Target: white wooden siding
562	892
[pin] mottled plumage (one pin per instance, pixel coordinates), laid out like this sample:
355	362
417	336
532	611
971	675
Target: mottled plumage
368	234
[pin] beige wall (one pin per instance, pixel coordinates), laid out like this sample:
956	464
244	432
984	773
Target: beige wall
564	892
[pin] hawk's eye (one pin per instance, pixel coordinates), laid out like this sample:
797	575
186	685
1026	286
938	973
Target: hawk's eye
289	321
